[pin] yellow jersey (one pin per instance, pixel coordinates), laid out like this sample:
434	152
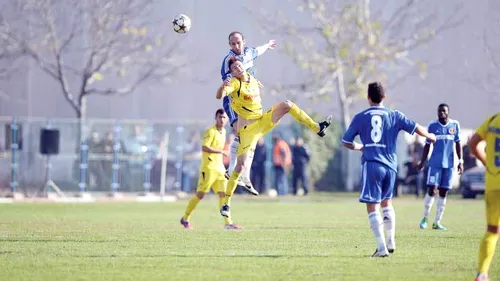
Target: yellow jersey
245	97
213	138
490	132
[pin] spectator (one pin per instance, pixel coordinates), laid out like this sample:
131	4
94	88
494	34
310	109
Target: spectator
258	172
282	160
300	159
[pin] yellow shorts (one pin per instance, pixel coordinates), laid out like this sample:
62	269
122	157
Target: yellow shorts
250	134
211	179
492	199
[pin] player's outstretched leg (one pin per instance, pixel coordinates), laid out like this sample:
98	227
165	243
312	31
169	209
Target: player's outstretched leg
300	116
389	217
428	201
245	177
228	223
233	153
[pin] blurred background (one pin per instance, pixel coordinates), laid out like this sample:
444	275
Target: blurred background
126	92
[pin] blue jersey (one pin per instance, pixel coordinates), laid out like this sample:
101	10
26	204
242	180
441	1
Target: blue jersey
247	58
446	136
378	128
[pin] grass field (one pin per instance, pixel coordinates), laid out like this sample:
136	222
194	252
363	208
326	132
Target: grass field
323	238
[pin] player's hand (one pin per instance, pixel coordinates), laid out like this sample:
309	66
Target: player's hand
260	84
224	153
271	44
432	138
460	168
227	82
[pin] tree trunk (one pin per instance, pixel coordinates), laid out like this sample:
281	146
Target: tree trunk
346	154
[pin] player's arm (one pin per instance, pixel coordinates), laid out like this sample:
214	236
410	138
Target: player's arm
458	149
350	134
422	131
478	138
224	90
263	48
475	148
208	138
425	154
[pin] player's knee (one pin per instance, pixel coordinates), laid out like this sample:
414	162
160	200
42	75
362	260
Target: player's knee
443	192
287	105
431	191
239	167
200	195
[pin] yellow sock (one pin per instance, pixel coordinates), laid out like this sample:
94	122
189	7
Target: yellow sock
232	183
486	251
190	207
300	116
222	200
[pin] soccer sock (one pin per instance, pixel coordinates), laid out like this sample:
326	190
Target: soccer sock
376	225
232	183
428	201
302	117
441	203
390	226
222	200
233	154
486	251
248	166
190	207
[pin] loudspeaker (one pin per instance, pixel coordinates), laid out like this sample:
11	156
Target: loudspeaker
49	141
8	136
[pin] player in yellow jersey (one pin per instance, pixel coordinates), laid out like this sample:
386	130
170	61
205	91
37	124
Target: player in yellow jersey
252	122
489	133
212	169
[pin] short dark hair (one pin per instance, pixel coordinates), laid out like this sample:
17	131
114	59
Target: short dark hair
219	111
443	105
376	92
234	33
231	61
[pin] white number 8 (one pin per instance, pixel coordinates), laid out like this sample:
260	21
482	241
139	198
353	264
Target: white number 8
376	132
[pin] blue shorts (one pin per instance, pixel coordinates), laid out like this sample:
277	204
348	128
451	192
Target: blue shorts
226	104
440	177
377	182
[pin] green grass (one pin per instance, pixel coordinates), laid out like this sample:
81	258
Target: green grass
326	239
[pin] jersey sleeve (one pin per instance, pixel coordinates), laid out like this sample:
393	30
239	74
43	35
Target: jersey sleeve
208	137
255	53
351	132
406	124
483	129
457	133
224	70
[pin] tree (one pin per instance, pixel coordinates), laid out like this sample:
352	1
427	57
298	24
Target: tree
341	46
92	47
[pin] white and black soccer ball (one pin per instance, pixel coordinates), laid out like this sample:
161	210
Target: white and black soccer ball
181	23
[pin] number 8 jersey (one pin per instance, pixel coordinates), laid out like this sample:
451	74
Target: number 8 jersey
378	128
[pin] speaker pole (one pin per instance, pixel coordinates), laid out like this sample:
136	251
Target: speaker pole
14	148
147	161
115	185
48	172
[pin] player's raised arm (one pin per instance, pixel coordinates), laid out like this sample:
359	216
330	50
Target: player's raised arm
262	49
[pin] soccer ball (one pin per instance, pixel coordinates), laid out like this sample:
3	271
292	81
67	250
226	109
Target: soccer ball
182	23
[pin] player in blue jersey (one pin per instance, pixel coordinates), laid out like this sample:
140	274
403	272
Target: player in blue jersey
378	129
246	55
441	163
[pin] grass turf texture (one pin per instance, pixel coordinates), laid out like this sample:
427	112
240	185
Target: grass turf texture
326	237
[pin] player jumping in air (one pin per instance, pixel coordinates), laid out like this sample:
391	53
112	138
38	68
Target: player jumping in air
489	133
253	123
247	55
441	163
212	169
378	129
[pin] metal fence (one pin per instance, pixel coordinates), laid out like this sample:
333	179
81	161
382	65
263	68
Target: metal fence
113	155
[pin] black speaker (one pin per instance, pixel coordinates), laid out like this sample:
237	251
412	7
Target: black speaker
49	141
8	136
